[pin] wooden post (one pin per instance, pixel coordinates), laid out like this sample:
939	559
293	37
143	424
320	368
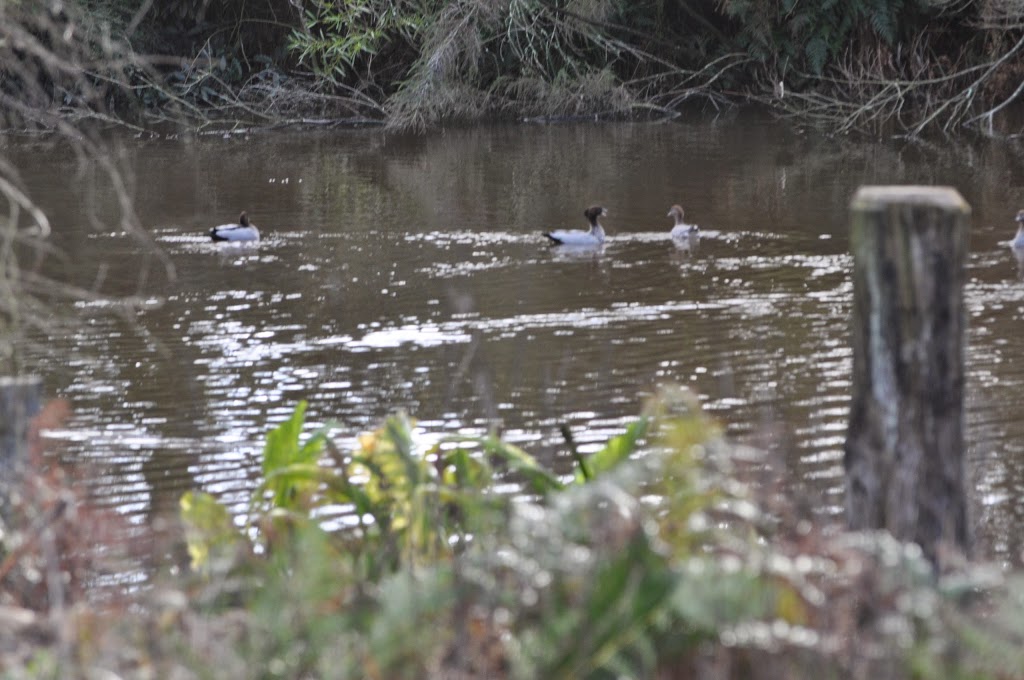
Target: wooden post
19	402
904	457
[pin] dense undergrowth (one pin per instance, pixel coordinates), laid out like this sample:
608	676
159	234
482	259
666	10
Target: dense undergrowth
899	65
665	555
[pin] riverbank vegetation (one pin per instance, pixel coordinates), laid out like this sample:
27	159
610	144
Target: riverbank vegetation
668	553
871	65
63	71
665	554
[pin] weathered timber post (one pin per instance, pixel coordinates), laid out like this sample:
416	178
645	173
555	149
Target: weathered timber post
904	458
19	403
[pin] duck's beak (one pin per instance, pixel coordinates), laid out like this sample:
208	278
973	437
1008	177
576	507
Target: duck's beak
604	212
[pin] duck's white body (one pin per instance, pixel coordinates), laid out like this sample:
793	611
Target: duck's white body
1018	241
592	237
235	232
685	232
683	235
242	231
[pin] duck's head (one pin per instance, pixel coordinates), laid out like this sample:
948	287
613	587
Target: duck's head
676	212
594	212
243	219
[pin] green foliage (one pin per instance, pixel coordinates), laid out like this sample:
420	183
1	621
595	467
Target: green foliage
209	532
808	36
571	581
340	39
617	450
401	503
626	571
609	625
650	567
437	61
291	468
519	462
463	58
422	62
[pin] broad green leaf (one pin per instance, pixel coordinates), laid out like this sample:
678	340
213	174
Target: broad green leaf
520	462
209	531
615	451
282	451
462	470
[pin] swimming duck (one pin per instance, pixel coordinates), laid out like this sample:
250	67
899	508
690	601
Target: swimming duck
243	231
593	237
1018	241
684	235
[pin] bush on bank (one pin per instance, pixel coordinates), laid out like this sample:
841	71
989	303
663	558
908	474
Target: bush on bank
908	65
657	557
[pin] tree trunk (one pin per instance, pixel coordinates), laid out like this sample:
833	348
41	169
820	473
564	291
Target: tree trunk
904	458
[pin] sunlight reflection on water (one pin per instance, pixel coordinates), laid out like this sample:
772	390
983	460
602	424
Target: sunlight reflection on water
380	286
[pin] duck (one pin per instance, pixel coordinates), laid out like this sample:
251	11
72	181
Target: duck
1018	241
683	235
592	237
243	231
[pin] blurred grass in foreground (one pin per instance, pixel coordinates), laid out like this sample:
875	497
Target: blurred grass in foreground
468	559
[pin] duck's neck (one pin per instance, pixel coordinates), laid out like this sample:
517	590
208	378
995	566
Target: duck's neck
596	229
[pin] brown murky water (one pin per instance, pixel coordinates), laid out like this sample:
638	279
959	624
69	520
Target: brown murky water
408	272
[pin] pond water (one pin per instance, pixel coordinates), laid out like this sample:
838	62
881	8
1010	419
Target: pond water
408	272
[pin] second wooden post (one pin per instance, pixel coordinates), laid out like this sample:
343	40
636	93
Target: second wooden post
904	458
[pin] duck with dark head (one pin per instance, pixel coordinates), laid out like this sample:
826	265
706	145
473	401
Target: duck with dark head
244	230
575	237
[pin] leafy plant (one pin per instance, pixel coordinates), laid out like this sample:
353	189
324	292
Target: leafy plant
338	40
427	536
809	36
399	503
638	568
